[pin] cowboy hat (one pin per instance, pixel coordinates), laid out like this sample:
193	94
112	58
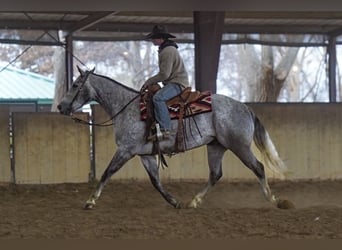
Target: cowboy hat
159	31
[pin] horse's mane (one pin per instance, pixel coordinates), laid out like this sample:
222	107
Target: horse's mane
116	82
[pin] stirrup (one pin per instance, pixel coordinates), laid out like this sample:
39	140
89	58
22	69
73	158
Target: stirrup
164	135
160	135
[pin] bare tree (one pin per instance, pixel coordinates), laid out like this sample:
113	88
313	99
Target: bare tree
249	71
128	62
274	76
263	75
36	59
60	77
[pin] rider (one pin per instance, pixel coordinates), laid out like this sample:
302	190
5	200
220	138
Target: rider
172	74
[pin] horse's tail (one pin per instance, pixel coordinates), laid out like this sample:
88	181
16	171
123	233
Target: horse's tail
265	145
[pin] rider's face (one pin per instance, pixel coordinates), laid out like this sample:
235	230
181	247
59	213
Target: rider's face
157	41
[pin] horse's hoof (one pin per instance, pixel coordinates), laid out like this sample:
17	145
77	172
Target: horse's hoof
179	205
285	204
195	203
89	205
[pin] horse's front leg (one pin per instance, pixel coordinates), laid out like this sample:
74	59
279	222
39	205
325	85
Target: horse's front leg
151	166
119	159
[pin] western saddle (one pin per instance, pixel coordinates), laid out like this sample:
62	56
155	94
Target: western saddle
183	100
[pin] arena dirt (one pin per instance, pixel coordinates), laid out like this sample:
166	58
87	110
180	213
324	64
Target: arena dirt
135	210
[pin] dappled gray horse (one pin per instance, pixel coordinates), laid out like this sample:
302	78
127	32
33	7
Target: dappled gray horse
231	125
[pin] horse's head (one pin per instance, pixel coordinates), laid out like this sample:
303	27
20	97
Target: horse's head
78	95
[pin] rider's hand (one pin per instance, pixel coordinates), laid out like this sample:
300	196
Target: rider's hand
144	88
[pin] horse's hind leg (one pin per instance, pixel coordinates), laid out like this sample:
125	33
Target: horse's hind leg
215	153
151	166
246	155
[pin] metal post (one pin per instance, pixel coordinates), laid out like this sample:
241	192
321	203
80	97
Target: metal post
332	68
69	60
208	28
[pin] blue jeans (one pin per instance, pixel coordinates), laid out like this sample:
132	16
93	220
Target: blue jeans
161	111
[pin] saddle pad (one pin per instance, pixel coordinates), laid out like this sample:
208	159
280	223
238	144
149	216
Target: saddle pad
201	105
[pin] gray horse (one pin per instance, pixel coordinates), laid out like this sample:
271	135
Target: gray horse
231	125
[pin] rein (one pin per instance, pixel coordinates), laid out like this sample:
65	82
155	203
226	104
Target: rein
102	124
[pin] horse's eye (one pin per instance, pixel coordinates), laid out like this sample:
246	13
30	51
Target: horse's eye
75	86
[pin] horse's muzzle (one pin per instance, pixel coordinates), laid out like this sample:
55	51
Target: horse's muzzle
64	109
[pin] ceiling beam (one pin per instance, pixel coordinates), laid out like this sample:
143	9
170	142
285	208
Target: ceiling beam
176	5
72	26
140	27
278	29
89	21
31	42
34	25
335	32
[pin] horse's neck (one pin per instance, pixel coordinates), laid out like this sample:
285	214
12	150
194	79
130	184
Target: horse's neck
112	96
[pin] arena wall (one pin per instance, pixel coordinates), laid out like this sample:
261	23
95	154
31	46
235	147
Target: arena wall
51	148
308	138
5	162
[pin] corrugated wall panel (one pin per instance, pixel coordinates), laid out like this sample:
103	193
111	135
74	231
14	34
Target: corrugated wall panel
105	148
50	148
5	162
188	165
307	136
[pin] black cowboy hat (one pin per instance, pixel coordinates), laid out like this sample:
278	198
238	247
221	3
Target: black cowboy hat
159	31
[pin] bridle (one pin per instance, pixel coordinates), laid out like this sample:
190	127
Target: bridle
80	86
103	124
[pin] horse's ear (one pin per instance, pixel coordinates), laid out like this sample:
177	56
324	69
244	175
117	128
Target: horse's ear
80	70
